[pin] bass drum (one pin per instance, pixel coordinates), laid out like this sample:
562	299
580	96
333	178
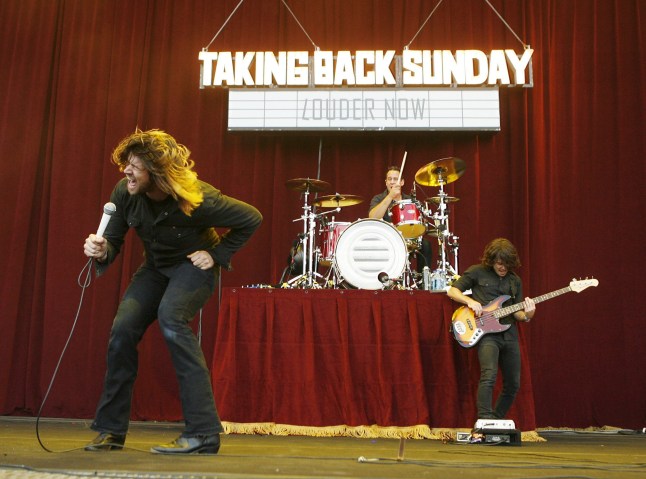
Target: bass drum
366	248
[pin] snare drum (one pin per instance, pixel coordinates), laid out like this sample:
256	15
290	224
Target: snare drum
329	237
407	217
366	248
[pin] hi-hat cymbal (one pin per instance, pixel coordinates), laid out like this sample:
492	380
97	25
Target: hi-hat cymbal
440	172
447	199
335	201
307	184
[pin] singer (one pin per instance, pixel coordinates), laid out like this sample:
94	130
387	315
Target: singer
174	214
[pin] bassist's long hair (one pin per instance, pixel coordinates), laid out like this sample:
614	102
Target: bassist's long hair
501	249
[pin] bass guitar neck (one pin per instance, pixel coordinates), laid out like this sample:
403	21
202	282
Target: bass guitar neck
468	328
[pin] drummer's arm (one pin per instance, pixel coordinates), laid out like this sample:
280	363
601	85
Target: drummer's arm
380	210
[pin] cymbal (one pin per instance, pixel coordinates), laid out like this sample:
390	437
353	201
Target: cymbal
440	172
335	201
307	184
447	199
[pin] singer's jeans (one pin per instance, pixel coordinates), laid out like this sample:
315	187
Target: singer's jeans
173	296
494	351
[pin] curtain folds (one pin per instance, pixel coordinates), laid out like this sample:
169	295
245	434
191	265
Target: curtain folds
324	359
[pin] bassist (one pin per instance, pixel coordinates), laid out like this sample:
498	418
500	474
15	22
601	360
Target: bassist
493	277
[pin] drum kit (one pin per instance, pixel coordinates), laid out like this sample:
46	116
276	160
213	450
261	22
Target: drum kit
372	253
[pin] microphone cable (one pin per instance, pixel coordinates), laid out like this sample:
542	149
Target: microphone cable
83	282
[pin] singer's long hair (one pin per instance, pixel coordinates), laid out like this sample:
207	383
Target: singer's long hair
501	249
168	162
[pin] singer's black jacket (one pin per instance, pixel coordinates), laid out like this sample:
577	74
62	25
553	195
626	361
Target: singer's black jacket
169	235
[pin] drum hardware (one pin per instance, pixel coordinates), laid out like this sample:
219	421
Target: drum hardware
455	245
337	201
367	248
295	257
447	199
392	283
413	245
411	279
309	277
305	186
407	217
439	173
359	254
441	277
330	232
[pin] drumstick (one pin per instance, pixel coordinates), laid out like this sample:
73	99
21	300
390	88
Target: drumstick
401	170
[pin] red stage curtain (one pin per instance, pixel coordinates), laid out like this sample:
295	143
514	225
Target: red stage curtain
563	178
356	358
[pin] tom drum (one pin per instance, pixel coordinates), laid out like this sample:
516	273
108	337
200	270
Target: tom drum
329	238
407	217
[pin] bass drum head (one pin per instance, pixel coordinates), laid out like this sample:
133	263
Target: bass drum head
365	249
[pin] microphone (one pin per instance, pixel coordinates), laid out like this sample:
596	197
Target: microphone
108	211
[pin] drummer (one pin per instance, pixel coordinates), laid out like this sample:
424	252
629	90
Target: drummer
380	209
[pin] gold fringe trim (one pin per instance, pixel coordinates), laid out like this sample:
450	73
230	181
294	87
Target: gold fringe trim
531	436
365	432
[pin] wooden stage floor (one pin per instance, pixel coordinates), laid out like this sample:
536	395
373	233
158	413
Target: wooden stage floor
564	454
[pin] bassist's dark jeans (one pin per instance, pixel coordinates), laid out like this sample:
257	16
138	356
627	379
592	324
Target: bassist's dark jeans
495	351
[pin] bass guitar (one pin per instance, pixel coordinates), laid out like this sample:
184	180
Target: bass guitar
468	328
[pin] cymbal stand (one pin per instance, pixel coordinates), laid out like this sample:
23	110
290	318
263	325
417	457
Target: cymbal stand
305	279
455	245
309	218
315	251
445	272
408	277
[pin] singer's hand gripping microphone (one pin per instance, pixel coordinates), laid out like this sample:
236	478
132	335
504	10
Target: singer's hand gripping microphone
108	211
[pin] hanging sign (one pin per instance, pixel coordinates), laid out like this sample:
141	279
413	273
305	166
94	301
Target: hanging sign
364	109
365	90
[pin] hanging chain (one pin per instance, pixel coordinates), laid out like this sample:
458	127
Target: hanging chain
488	3
299	24
525	46
238	6
423	24
223	25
